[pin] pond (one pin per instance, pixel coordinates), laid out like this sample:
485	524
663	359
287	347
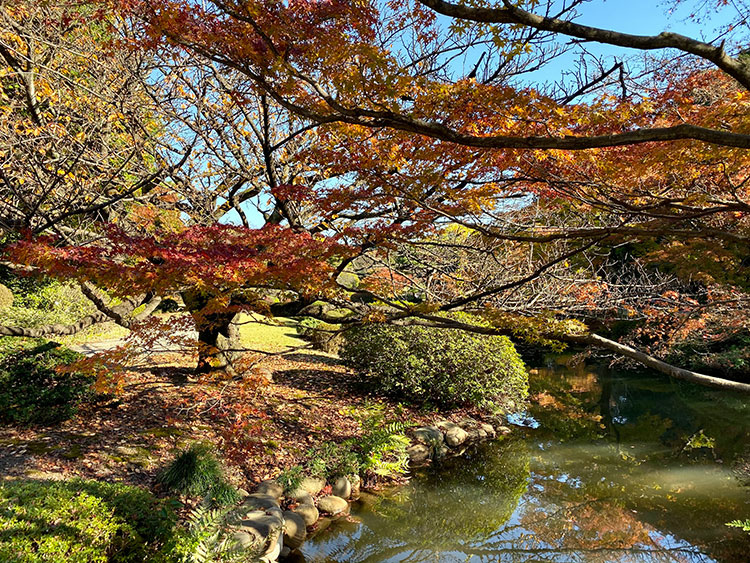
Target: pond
606	467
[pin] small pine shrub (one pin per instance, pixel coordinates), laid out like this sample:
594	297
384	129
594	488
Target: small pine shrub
31	390
447	368
197	472
82	521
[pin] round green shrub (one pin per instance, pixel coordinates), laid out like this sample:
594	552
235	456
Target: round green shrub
82	522
439	366
31	390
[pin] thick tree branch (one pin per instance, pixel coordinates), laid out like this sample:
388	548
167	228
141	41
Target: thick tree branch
511	14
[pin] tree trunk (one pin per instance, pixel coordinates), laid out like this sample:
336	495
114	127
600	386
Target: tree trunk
217	334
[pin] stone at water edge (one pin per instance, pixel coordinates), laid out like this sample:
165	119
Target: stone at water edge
301	497
418	453
262	523
490	430
504	430
454	434
332	505
312	485
274	550
429	435
259	501
308	512
356	482
295	529
272	488
342	488
246	540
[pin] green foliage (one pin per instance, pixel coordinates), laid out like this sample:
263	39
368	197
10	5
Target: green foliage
743	525
332	460
31	390
82	522
197	472
445	367
383	444
291	478
39	303
206	539
724	357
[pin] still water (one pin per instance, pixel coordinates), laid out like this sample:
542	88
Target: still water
606	467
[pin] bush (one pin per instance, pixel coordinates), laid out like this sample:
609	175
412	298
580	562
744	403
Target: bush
42	302
31	390
82	521
197	472
445	367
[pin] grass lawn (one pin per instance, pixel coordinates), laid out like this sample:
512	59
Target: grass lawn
276	334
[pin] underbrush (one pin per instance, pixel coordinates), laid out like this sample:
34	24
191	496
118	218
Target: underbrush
32	390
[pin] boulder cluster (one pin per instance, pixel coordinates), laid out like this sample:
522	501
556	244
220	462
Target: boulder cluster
445	438
262	526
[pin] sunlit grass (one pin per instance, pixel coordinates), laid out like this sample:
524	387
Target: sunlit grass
268	334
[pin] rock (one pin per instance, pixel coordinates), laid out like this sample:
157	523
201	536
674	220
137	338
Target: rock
272	488
243	494
260	501
429	435
246	540
504	430
274	549
488	428
312	485
295	530
342	488
263	524
308	512
441	451
322	525
356	483
482	433
301	497
418	453
332	504
285	552
454	434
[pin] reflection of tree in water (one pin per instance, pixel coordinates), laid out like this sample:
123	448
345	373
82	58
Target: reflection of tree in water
624	469
443	512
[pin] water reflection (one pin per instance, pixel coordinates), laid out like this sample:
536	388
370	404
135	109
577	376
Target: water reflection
619	469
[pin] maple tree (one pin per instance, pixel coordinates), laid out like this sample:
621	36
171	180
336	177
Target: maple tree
410	135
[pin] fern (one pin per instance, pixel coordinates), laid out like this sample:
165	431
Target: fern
207	540
744	525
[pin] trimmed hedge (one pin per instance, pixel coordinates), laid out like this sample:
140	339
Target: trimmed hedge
443	367
31	390
83	521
